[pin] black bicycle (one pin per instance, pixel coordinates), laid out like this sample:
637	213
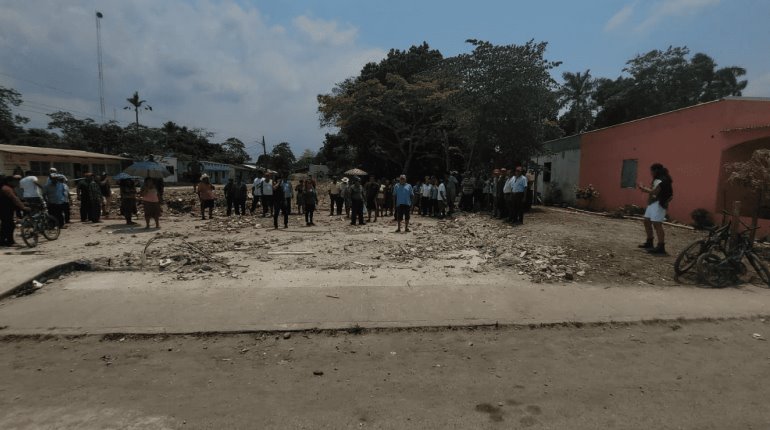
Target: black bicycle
687	259
722	266
37	223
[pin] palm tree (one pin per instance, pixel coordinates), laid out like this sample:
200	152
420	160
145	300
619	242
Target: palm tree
575	94
136	104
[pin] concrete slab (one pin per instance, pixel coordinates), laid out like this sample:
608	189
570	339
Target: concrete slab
143	303
20	267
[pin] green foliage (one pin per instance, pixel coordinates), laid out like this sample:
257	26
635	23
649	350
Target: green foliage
662	81
10	124
281	158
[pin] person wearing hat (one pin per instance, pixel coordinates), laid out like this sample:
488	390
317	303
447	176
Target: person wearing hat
344	197
207	197
54	194
357	202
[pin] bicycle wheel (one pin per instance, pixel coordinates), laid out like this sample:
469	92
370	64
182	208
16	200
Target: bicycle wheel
29	232
689	256
759	267
51	228
714	270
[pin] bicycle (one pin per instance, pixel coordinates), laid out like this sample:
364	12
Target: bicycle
39	222
687	259
721	270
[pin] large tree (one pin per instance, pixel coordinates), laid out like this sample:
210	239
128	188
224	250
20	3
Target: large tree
10	123
137	104
661	81
575	95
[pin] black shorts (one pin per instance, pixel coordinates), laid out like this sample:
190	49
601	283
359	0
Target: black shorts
206	204
402	212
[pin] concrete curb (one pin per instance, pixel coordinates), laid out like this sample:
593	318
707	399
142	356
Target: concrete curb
55	271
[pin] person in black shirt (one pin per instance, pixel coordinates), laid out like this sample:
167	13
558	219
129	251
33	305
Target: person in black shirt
372	188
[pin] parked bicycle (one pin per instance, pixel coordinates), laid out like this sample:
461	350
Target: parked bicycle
723	265
687	259
36	223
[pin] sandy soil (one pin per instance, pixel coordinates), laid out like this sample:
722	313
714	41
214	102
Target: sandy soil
704	375
553	245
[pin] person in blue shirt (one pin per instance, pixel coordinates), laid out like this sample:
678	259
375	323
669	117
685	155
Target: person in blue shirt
402	201
55	194
519	194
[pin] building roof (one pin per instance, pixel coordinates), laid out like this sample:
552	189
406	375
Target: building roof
35	150
563	144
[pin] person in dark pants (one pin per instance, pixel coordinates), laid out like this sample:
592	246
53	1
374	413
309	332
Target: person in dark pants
310	198
229	191
519	191
256	191
54	195
267	196
94	192
127	199
279	203
357	202
82	191
241	194
9	202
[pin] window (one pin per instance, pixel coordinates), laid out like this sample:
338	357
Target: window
546	172
97	169
628	174
40	168
64	168
170	169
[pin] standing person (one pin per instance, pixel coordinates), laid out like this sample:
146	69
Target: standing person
301	197
334	196
442	199
241	195
387	199
8	203
288	193
256	191
82	193
229	191
434	197
151	202
310	197
206	195
425	197
493	189
508	196
466	201
417	197
451	191
55	196
280	202
94	199
267	195
661	192
357	202
106	191
127	199
31	191
371	190
402	200
519	195
381	200
344	197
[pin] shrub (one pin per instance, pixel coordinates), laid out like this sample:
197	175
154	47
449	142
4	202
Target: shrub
701	219
588	193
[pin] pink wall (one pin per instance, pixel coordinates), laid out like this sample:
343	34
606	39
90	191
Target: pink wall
689	142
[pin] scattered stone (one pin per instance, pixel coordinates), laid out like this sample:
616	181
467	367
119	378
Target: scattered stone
287	335
318	373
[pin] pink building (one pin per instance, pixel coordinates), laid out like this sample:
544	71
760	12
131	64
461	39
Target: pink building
693	143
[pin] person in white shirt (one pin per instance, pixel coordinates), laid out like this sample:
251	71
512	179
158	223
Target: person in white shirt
267	196
425	197
442	199
256	192
31	191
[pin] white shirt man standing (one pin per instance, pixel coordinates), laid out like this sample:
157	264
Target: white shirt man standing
256	191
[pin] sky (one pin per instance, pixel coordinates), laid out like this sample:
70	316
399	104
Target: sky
253	68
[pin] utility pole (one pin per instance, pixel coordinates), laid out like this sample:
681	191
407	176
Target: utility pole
99	17
264	147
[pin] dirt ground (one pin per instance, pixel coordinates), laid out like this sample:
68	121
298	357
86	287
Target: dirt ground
695	375
554	245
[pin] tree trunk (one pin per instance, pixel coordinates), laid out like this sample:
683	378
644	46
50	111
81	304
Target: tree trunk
755	215
446	151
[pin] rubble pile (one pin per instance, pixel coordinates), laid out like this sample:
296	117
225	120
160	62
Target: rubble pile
498	248
231	224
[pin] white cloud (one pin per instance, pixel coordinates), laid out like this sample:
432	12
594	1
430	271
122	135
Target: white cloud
214	64
325	32
673	8
620	18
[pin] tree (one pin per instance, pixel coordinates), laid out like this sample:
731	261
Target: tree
305	160
10	124
754	175
282	158
662	81
234	152
136	104
575	94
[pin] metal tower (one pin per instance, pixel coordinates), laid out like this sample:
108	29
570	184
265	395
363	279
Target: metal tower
99	17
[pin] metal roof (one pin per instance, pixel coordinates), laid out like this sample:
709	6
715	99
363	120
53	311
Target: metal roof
35	150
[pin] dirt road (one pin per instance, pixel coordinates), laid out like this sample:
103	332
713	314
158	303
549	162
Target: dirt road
704	375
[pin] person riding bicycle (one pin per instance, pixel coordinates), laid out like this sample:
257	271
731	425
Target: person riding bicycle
32	192
8	202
